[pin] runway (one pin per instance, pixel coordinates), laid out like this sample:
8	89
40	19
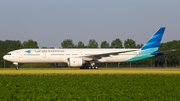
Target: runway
95	71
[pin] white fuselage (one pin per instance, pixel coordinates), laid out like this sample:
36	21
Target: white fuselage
61	55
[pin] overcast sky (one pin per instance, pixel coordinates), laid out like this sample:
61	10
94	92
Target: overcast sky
49	22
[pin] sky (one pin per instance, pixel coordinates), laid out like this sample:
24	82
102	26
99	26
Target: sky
49	22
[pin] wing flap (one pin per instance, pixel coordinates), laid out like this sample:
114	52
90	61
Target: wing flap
99	56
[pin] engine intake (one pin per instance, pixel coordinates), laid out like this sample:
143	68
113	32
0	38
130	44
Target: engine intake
75	62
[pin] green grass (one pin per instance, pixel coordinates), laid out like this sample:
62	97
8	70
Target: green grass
89	87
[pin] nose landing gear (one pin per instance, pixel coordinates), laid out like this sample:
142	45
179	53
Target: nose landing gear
16	64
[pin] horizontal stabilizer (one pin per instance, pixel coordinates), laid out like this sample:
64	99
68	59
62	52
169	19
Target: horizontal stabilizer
159	52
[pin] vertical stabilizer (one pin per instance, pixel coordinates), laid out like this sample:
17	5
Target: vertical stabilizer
153	44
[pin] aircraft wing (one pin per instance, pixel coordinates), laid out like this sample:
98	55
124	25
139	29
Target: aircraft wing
159	52
99	56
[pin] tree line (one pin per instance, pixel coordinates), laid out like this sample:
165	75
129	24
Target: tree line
117	43
171	59
10	45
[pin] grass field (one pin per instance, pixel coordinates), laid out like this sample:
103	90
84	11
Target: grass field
89	71
150	84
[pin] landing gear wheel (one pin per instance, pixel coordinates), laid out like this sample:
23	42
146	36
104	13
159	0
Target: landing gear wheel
16	64
17	68
83	67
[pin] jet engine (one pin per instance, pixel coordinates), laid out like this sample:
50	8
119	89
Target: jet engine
75	62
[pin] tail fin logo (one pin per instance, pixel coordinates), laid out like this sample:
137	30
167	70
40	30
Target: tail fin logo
155	40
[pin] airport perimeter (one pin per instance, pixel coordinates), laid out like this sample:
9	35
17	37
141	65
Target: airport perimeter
87	71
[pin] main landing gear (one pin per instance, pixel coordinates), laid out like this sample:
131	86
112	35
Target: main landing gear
89	67
16	64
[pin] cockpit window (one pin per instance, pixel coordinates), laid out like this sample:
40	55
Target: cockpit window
8	54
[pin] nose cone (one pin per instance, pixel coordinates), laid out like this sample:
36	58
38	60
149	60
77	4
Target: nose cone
5	57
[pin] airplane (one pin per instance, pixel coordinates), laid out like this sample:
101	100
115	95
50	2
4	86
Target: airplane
78	57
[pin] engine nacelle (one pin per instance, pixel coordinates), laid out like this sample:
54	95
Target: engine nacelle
61	64
75	62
